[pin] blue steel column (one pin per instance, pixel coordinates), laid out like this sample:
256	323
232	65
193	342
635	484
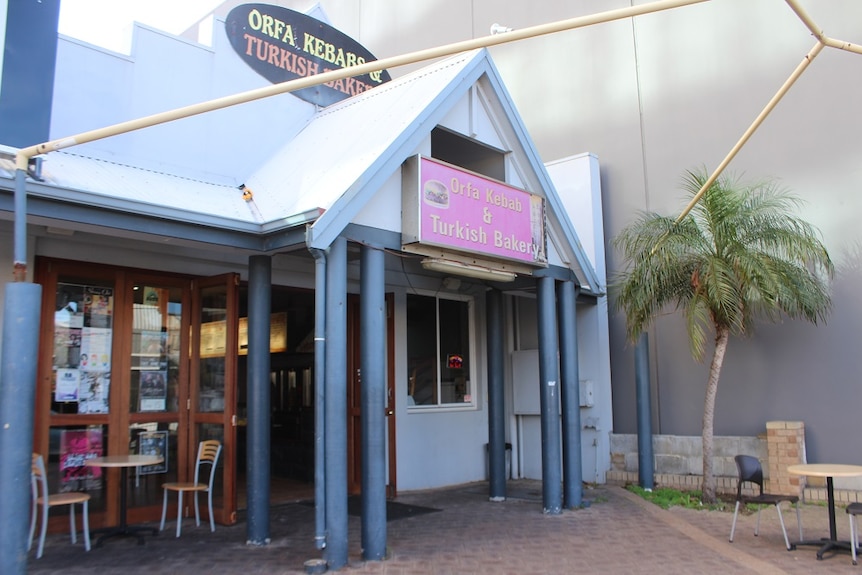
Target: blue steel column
642	384
258	440
372	314
18	358
335	440
496	405
549	376
17	401
573	489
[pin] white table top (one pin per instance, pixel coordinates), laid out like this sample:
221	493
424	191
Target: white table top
825	469
126	460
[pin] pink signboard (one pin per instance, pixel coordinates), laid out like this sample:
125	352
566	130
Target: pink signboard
468	212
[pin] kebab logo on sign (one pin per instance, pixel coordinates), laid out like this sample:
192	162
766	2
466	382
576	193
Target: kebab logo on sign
282	44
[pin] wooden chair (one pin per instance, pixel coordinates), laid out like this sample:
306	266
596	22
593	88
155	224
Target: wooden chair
208	454
750	470
42	499
853	511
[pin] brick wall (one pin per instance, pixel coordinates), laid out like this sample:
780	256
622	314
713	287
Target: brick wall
785	445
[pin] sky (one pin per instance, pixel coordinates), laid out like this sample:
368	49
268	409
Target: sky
108	23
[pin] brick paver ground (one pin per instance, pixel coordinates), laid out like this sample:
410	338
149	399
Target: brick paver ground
617	533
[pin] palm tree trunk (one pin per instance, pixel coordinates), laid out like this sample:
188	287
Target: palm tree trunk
721	338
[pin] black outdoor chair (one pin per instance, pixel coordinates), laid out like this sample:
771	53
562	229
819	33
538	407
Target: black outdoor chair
854	510
750	471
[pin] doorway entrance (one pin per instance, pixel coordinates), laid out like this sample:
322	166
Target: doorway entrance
354	398
292	397
136	361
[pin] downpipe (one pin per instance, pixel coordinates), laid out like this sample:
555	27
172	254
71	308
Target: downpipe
319	396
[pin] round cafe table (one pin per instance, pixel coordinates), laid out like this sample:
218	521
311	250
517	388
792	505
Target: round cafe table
124	462
829	471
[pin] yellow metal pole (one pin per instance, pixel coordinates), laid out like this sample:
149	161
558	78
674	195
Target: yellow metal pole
806	61
818	33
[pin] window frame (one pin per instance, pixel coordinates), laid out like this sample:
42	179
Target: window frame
472	375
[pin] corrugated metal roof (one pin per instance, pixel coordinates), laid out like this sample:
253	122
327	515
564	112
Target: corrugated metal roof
107	184
308	174
332	167
339	144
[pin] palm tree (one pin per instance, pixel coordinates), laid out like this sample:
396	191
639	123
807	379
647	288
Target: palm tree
738	256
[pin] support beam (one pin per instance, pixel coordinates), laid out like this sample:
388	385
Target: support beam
258	439
372	314
335	440
570	395
549	397
496	402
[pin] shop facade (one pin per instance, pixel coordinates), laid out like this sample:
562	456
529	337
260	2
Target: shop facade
397	267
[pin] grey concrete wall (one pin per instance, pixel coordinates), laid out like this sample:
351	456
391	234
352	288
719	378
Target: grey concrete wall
664	93
678	464
683	455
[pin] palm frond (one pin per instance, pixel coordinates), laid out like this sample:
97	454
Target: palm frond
740	255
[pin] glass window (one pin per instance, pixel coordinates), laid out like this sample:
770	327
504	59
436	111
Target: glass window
69	447
213	318
439	366
83	331
207	431
152	438
156	323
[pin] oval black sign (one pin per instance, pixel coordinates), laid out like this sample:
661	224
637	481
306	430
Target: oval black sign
282	44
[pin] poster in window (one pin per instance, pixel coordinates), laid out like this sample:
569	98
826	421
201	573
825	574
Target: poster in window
154	390
66	385
76	447
98	307
95	349
152	296
213	339
154	443
93	391
152	343
67	345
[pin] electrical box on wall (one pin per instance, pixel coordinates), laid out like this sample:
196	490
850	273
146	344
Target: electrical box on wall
586	393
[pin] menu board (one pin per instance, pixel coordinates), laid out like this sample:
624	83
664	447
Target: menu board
213	336
154	443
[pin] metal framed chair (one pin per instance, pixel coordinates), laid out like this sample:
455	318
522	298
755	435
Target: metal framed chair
853	511
42	500
750	471
208	454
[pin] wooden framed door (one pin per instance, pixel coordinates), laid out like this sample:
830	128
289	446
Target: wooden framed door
156	394
354	398
213	382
